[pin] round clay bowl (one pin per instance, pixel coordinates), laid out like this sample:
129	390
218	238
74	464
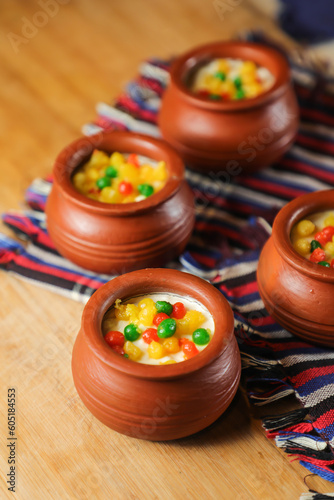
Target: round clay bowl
156	402
295	291
115	238
238	136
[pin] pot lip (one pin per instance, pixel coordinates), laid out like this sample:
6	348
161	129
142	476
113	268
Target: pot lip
125	142
289	215
275	62
148	281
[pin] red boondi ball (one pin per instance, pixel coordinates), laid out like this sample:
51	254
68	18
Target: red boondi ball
149	335
159	317
179	310
114	338
125	188
318	255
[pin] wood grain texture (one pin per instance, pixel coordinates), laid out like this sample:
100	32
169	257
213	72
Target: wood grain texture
85	53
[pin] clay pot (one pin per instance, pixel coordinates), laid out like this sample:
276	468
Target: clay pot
238	136
295	291
156	402
115	238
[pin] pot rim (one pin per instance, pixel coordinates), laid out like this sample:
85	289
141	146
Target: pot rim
149	281
124	142
289	215
274	61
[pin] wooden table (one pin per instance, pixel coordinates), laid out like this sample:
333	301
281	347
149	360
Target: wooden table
52	76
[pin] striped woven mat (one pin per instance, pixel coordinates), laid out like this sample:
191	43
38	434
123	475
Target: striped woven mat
233	221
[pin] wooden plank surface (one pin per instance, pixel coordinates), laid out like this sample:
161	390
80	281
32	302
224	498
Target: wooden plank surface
50	81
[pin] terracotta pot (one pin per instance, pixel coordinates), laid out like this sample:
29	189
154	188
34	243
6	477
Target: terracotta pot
156	402
115	238
238	136
296	292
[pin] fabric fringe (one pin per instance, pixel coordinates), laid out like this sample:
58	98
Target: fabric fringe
276	393
285	420
293	431
295	434
265	380
301	444
249	361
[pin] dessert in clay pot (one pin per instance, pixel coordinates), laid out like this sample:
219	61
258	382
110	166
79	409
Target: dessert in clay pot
229	106
295	272
313	237
231	79
165	391
158	328
119	178
119	202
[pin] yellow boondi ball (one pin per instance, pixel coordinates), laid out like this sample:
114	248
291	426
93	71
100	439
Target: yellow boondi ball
156	350
160	172
99	158
223	65
116	159
302	246
130	199
248	79
132	351
79	180
329	247
215	86
305	227
146	173
207	80
147	311
92	174
132	312
110	195
253	89
228	88
120	311
329	221
129	173
171	345
248	67
190	322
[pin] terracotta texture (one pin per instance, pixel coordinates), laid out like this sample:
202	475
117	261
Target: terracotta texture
238	136
295	291
115	238
156	402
